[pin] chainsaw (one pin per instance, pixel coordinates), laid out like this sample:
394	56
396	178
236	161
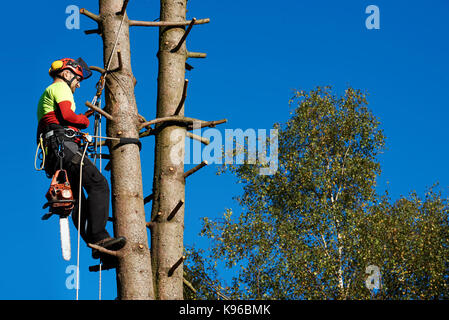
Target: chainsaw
61	202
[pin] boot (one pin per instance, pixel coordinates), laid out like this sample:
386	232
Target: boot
109	243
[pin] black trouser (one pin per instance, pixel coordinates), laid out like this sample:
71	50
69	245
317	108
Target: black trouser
94	208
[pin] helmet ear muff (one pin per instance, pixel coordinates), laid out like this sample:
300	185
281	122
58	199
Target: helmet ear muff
55	66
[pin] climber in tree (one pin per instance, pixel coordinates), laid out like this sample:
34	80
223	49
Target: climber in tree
57	125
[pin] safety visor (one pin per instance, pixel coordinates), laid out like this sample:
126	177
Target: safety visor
86	71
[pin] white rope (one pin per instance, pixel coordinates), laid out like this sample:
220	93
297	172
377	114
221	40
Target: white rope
94	101
115	44
99	285
79	224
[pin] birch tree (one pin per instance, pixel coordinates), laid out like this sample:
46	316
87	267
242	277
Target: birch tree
297	229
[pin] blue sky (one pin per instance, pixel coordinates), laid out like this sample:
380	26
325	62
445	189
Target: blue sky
258	52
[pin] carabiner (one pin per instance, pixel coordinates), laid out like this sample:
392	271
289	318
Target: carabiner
69	133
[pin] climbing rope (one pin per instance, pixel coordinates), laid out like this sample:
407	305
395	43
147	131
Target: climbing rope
79	221
99	282
40	146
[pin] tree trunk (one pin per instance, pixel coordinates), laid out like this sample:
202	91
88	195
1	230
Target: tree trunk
134	274
169	184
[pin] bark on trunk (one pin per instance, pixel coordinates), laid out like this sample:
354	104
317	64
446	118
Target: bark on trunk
134	274
169	184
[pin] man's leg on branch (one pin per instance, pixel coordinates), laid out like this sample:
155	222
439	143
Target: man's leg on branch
97	203
94	209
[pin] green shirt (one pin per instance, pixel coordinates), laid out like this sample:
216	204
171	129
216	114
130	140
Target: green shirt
54	94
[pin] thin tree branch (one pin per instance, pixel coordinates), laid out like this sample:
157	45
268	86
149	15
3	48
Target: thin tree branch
175	210
175	266
91	15
135	23
92	31
188	285
183	98
148	198
100	111
183	120
206	141
195	169
98	69
122	12
199	55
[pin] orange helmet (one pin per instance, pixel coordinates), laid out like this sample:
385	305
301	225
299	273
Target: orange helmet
78	67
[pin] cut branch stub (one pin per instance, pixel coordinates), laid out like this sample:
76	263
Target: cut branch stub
175	266
92	31
150	225
98	69
103	71
120	63
199	55
175	210
90	15
156	216
122	12
148	198
195	169
183	98
184	37
201	139
100	111
104	250
103	267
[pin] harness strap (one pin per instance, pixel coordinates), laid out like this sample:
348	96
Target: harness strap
124	141
69	82
69	133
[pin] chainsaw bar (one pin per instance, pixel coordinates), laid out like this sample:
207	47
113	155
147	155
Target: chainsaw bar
65	237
